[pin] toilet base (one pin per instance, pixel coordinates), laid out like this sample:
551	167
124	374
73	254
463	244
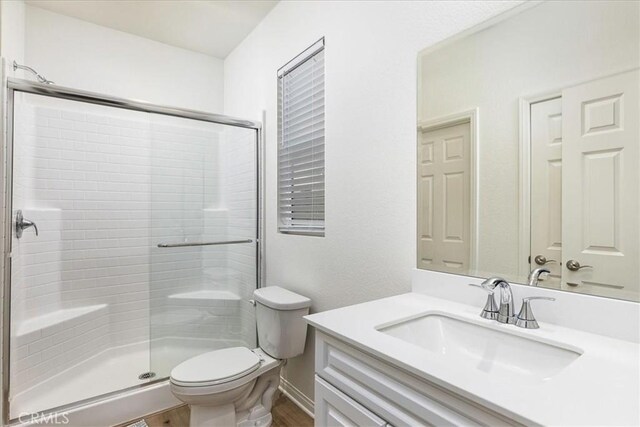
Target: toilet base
252	408
214	416
224	416
263	421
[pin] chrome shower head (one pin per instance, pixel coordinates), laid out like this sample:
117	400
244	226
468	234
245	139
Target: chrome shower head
40	78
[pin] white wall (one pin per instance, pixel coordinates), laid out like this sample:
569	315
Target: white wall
371	61
82	55
12	30
546	48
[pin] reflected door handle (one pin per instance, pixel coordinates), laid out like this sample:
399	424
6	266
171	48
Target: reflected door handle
574	265
22	223
541	260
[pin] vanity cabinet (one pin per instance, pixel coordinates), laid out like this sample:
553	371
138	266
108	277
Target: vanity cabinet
334	408
355	388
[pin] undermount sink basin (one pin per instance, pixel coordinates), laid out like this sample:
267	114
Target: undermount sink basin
487	349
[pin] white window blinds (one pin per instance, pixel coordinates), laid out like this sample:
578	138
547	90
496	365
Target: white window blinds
301	143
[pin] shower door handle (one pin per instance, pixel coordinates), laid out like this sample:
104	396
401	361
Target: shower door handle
22	223
188	244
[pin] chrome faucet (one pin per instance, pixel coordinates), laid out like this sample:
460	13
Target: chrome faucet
490	310
505	313
535	274
526	318
22	224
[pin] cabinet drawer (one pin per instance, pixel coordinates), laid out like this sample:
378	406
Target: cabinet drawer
335	409
393	394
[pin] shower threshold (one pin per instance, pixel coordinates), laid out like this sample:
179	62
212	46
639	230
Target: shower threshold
113	370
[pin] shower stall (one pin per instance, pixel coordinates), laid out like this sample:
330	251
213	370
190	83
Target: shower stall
132	242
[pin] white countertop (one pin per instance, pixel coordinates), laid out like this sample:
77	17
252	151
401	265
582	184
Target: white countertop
601	387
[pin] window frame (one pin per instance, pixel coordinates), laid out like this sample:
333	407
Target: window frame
283	227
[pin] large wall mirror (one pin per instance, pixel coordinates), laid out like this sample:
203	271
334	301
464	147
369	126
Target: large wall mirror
529	148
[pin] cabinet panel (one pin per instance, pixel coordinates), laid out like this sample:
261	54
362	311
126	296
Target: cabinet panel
400	398
335	409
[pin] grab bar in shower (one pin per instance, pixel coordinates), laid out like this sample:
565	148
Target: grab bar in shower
186	244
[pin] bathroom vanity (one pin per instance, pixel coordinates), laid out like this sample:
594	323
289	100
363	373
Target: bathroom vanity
351	384
428	358
527	169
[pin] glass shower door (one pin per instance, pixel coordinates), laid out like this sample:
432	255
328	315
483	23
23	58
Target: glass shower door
204	232
79	275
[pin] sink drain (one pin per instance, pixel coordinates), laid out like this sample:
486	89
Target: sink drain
146	375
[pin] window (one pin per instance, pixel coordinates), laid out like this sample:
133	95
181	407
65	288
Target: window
301	143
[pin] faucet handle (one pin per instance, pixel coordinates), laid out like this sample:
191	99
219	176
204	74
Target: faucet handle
22	223
490	310
526	318
527	299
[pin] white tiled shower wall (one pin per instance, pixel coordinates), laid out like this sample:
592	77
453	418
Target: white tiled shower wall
105	187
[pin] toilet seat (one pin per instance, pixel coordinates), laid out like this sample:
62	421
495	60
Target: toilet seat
215	367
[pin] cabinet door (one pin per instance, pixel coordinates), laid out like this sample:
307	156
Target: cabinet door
334	408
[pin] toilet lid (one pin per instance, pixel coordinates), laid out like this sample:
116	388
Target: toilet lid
216	366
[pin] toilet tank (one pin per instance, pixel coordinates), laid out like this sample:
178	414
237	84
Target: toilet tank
281	329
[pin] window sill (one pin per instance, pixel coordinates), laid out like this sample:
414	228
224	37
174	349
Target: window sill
303	232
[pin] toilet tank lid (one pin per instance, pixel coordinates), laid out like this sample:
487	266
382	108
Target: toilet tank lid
280	299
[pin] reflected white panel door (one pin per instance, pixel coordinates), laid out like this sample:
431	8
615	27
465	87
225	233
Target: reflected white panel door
546	189
601	186
443	199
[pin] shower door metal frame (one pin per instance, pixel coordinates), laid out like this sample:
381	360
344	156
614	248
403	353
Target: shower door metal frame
24	86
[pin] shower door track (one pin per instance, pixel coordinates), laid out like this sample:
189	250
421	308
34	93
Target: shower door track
127	104
25	86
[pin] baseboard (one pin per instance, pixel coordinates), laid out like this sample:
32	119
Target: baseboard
297	397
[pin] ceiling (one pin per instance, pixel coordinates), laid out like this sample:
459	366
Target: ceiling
212	27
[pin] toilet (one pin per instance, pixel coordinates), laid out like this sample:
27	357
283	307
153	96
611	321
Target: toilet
235	386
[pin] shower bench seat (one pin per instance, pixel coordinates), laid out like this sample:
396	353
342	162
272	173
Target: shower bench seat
35	328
